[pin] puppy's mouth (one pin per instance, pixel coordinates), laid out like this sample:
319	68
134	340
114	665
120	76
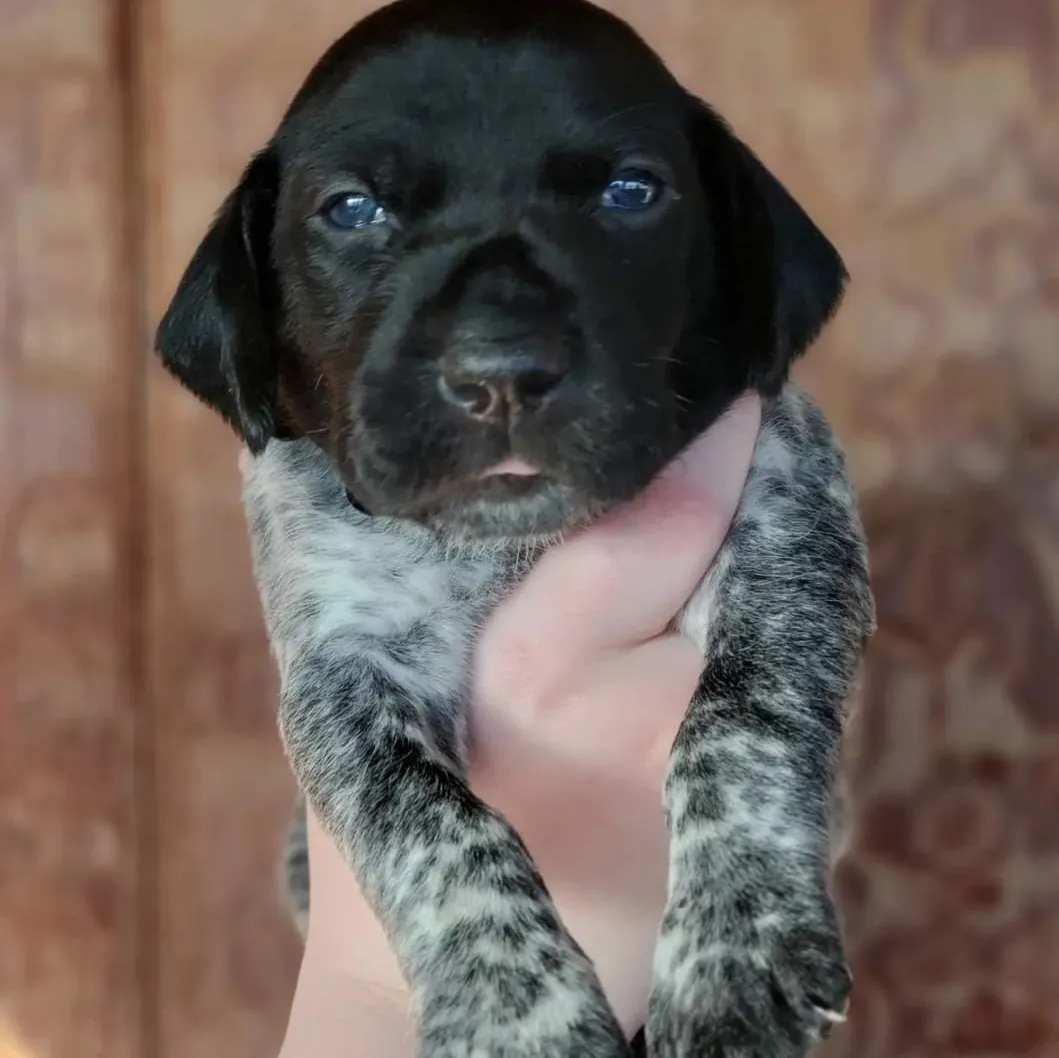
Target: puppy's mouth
513	468
489	487
513	499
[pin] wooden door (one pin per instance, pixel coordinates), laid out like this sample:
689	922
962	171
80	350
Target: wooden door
142	790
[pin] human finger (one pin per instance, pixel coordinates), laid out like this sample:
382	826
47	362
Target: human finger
622	580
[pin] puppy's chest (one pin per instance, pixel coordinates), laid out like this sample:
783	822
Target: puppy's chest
416	610
403	602
392	595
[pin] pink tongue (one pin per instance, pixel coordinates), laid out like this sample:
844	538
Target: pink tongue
514	467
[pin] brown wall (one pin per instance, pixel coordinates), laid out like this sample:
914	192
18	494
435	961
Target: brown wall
141	786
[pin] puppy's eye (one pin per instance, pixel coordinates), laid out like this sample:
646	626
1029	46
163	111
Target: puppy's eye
352	210
632	190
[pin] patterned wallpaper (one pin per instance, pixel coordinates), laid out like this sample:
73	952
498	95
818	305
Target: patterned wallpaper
141	786
952	896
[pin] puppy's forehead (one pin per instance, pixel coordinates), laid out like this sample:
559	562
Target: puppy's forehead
437	88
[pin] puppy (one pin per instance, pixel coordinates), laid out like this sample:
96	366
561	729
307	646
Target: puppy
492	272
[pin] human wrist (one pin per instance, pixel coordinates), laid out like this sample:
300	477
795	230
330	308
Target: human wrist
337	1013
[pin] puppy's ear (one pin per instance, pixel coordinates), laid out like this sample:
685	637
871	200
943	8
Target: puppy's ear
216	336
778	278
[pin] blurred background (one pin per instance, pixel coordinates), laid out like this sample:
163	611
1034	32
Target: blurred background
142	789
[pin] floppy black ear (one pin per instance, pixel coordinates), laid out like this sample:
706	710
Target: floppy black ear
778	278
216	336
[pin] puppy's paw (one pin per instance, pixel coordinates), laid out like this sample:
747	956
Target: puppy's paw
522	1015
766	989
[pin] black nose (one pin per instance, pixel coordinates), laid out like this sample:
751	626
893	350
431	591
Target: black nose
490	384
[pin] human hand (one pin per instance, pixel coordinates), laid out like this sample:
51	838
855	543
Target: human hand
580	686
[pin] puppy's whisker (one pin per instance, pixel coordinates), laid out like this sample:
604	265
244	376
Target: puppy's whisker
636	108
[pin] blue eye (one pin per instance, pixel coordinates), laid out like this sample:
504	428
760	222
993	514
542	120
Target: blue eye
354	210
632	190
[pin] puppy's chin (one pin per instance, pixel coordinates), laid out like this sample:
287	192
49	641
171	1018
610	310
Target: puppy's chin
512	508
499	508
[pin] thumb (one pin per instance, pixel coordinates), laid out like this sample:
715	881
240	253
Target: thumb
623	580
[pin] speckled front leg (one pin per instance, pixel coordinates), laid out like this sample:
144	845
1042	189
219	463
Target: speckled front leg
372	622
749	962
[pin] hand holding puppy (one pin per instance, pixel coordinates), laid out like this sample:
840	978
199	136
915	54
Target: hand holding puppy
580	687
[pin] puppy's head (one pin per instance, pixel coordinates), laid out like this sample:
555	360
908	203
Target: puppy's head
499	265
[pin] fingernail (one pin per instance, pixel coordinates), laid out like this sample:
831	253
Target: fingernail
721	456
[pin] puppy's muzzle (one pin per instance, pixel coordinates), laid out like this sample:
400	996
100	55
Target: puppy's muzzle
506	333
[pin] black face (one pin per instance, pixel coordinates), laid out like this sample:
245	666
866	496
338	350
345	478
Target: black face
500	266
